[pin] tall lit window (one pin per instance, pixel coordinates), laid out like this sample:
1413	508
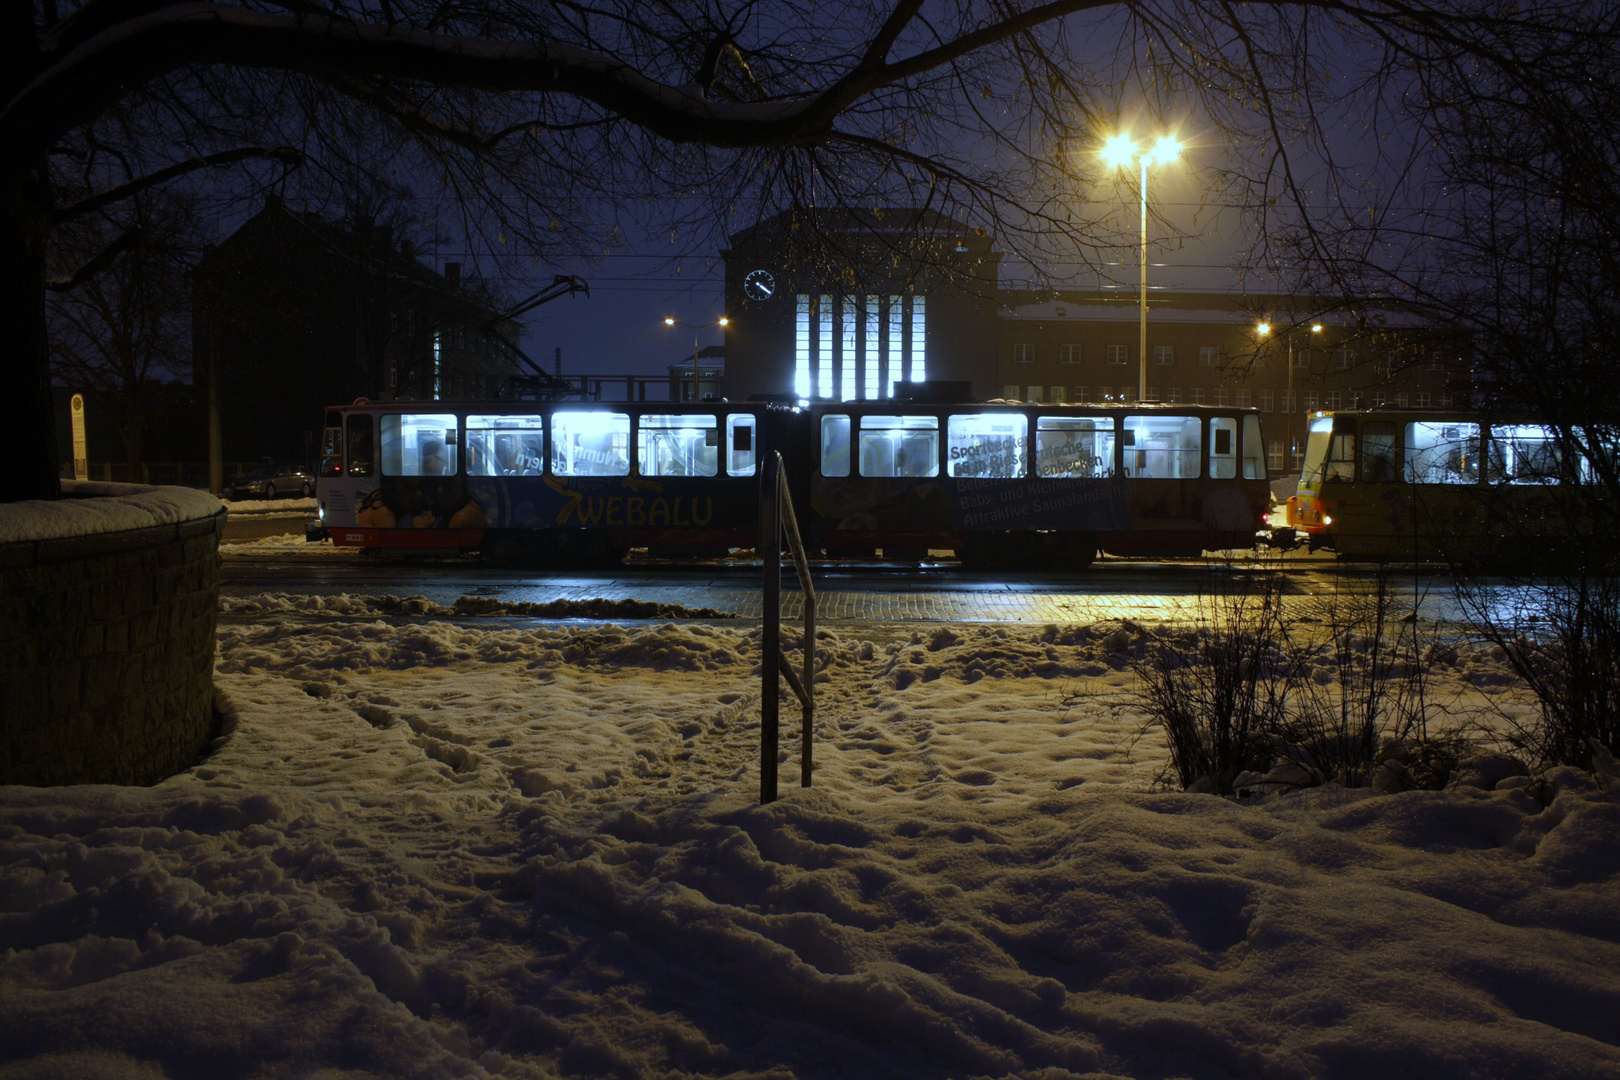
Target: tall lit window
919	336
824	380
1265	404
892	352
801	349
848	386
438	364
873	383
1119	354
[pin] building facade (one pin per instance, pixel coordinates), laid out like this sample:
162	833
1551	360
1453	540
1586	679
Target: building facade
902	297
293	313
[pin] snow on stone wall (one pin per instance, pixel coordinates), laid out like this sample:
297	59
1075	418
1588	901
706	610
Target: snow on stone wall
107	607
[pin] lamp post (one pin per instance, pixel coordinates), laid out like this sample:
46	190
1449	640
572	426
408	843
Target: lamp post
695	328
1119	152
1263	330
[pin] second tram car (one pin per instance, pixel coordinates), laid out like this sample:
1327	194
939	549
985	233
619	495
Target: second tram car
1432	485
998	483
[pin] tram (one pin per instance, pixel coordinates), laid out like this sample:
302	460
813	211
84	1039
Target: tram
1440	486
999	484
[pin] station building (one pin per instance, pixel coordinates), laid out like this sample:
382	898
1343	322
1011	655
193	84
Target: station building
850	306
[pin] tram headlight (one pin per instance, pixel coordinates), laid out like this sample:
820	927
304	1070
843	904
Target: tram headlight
1327	519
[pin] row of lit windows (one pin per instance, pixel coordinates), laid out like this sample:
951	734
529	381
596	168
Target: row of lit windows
998	445
1243	398
850	347
1023	352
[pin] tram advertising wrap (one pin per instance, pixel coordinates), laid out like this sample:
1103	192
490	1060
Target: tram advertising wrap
1000	483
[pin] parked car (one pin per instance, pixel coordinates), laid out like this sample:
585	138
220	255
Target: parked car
272	482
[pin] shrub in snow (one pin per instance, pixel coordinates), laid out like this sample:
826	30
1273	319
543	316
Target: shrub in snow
1561	636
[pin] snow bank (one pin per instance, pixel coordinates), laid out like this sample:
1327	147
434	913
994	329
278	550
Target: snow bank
92	508
435	850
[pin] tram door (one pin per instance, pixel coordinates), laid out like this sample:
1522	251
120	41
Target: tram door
348	468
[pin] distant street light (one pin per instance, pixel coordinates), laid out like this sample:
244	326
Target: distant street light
1264	330
695	327
1120	152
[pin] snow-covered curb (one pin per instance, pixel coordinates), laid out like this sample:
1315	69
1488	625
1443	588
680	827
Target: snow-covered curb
241	507
92	508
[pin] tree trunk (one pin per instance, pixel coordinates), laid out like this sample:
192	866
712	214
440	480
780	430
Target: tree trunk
28	434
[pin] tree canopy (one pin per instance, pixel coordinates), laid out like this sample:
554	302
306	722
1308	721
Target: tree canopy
552	125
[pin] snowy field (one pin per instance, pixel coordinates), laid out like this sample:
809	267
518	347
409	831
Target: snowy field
450	846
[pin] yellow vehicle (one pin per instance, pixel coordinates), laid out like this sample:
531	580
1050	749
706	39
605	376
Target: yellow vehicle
1439	486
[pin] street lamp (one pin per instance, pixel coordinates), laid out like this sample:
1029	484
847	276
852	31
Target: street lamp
695	328
1119	152
1264	329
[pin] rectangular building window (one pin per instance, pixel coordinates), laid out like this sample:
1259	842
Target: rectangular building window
1344	359
1437	362
1010	393
1445	400
1330	399
1068	354
1220	397
1173	395
1153	393
824	354
1265	406
1209	356
1302	358
1274	455
872	383
849	382
1197	395
894	358
1164	355
1023	353
1119	354
1242	399
1423	399
801	348
1034	393
1080	394
1400	400
919	337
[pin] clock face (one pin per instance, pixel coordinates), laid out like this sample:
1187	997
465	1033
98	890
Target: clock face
760	285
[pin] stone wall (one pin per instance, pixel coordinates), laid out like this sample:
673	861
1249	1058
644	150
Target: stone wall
107	639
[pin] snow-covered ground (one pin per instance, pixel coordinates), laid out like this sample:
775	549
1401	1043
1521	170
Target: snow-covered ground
431	848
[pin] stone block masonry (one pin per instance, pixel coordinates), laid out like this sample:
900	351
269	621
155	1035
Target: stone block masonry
107	637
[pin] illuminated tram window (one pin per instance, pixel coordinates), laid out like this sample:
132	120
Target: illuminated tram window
678	444
1074	447
590	443
986	444
801	348
1440	452
899	446
419	444
1163	447
505	446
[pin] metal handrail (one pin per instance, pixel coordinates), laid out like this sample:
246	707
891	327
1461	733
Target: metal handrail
776	518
